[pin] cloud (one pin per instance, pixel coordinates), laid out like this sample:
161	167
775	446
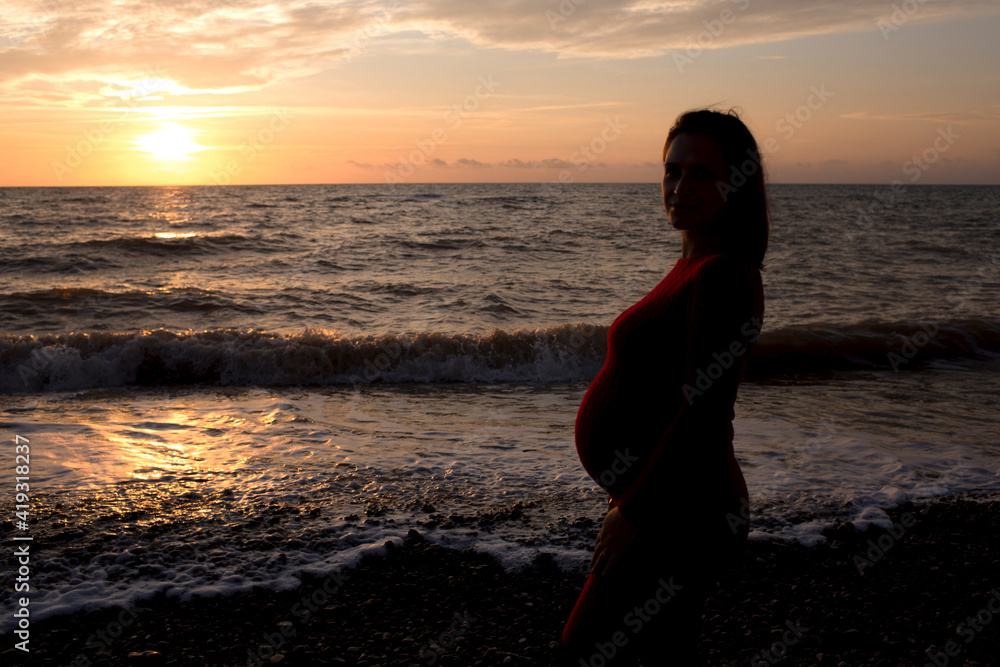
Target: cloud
436	163
229	46
511	163
639	28
549	163
201	46
943	117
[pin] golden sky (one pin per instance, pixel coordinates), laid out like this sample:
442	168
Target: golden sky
105	92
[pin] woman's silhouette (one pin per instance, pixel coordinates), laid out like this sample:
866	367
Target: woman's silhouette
655	426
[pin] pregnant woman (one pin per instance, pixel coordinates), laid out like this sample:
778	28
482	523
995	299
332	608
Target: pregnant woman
655	427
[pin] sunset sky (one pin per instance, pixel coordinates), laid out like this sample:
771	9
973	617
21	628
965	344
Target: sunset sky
298	91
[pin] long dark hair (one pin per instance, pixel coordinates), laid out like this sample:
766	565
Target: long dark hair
746	223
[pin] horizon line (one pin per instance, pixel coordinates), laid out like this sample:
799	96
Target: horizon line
394	185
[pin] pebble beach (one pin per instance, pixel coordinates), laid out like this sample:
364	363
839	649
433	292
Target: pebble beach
919	593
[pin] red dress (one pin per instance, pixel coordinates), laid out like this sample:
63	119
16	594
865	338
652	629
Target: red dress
655	426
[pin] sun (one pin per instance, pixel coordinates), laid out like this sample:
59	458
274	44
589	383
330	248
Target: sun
170	142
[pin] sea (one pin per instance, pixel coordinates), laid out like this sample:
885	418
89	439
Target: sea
218	388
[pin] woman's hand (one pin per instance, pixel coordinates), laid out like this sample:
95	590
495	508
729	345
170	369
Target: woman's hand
614	539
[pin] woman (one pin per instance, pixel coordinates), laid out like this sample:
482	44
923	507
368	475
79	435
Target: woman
655	426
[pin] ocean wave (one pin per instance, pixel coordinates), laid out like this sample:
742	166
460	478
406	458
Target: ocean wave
565	353
196	243
872	345
416	196
443	244
313	357
516	199
93	304
59	264
85	200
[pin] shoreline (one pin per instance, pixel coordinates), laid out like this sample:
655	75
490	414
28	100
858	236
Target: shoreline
877	598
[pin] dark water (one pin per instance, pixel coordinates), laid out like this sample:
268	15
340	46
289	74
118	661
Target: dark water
330	277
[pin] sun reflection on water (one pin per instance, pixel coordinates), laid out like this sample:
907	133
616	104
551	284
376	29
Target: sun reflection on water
175	235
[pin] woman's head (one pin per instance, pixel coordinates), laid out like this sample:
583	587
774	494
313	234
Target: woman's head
714	181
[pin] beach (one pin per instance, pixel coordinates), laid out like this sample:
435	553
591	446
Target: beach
331	331
236	399
843	602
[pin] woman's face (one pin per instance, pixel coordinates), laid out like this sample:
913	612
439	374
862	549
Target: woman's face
693	172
